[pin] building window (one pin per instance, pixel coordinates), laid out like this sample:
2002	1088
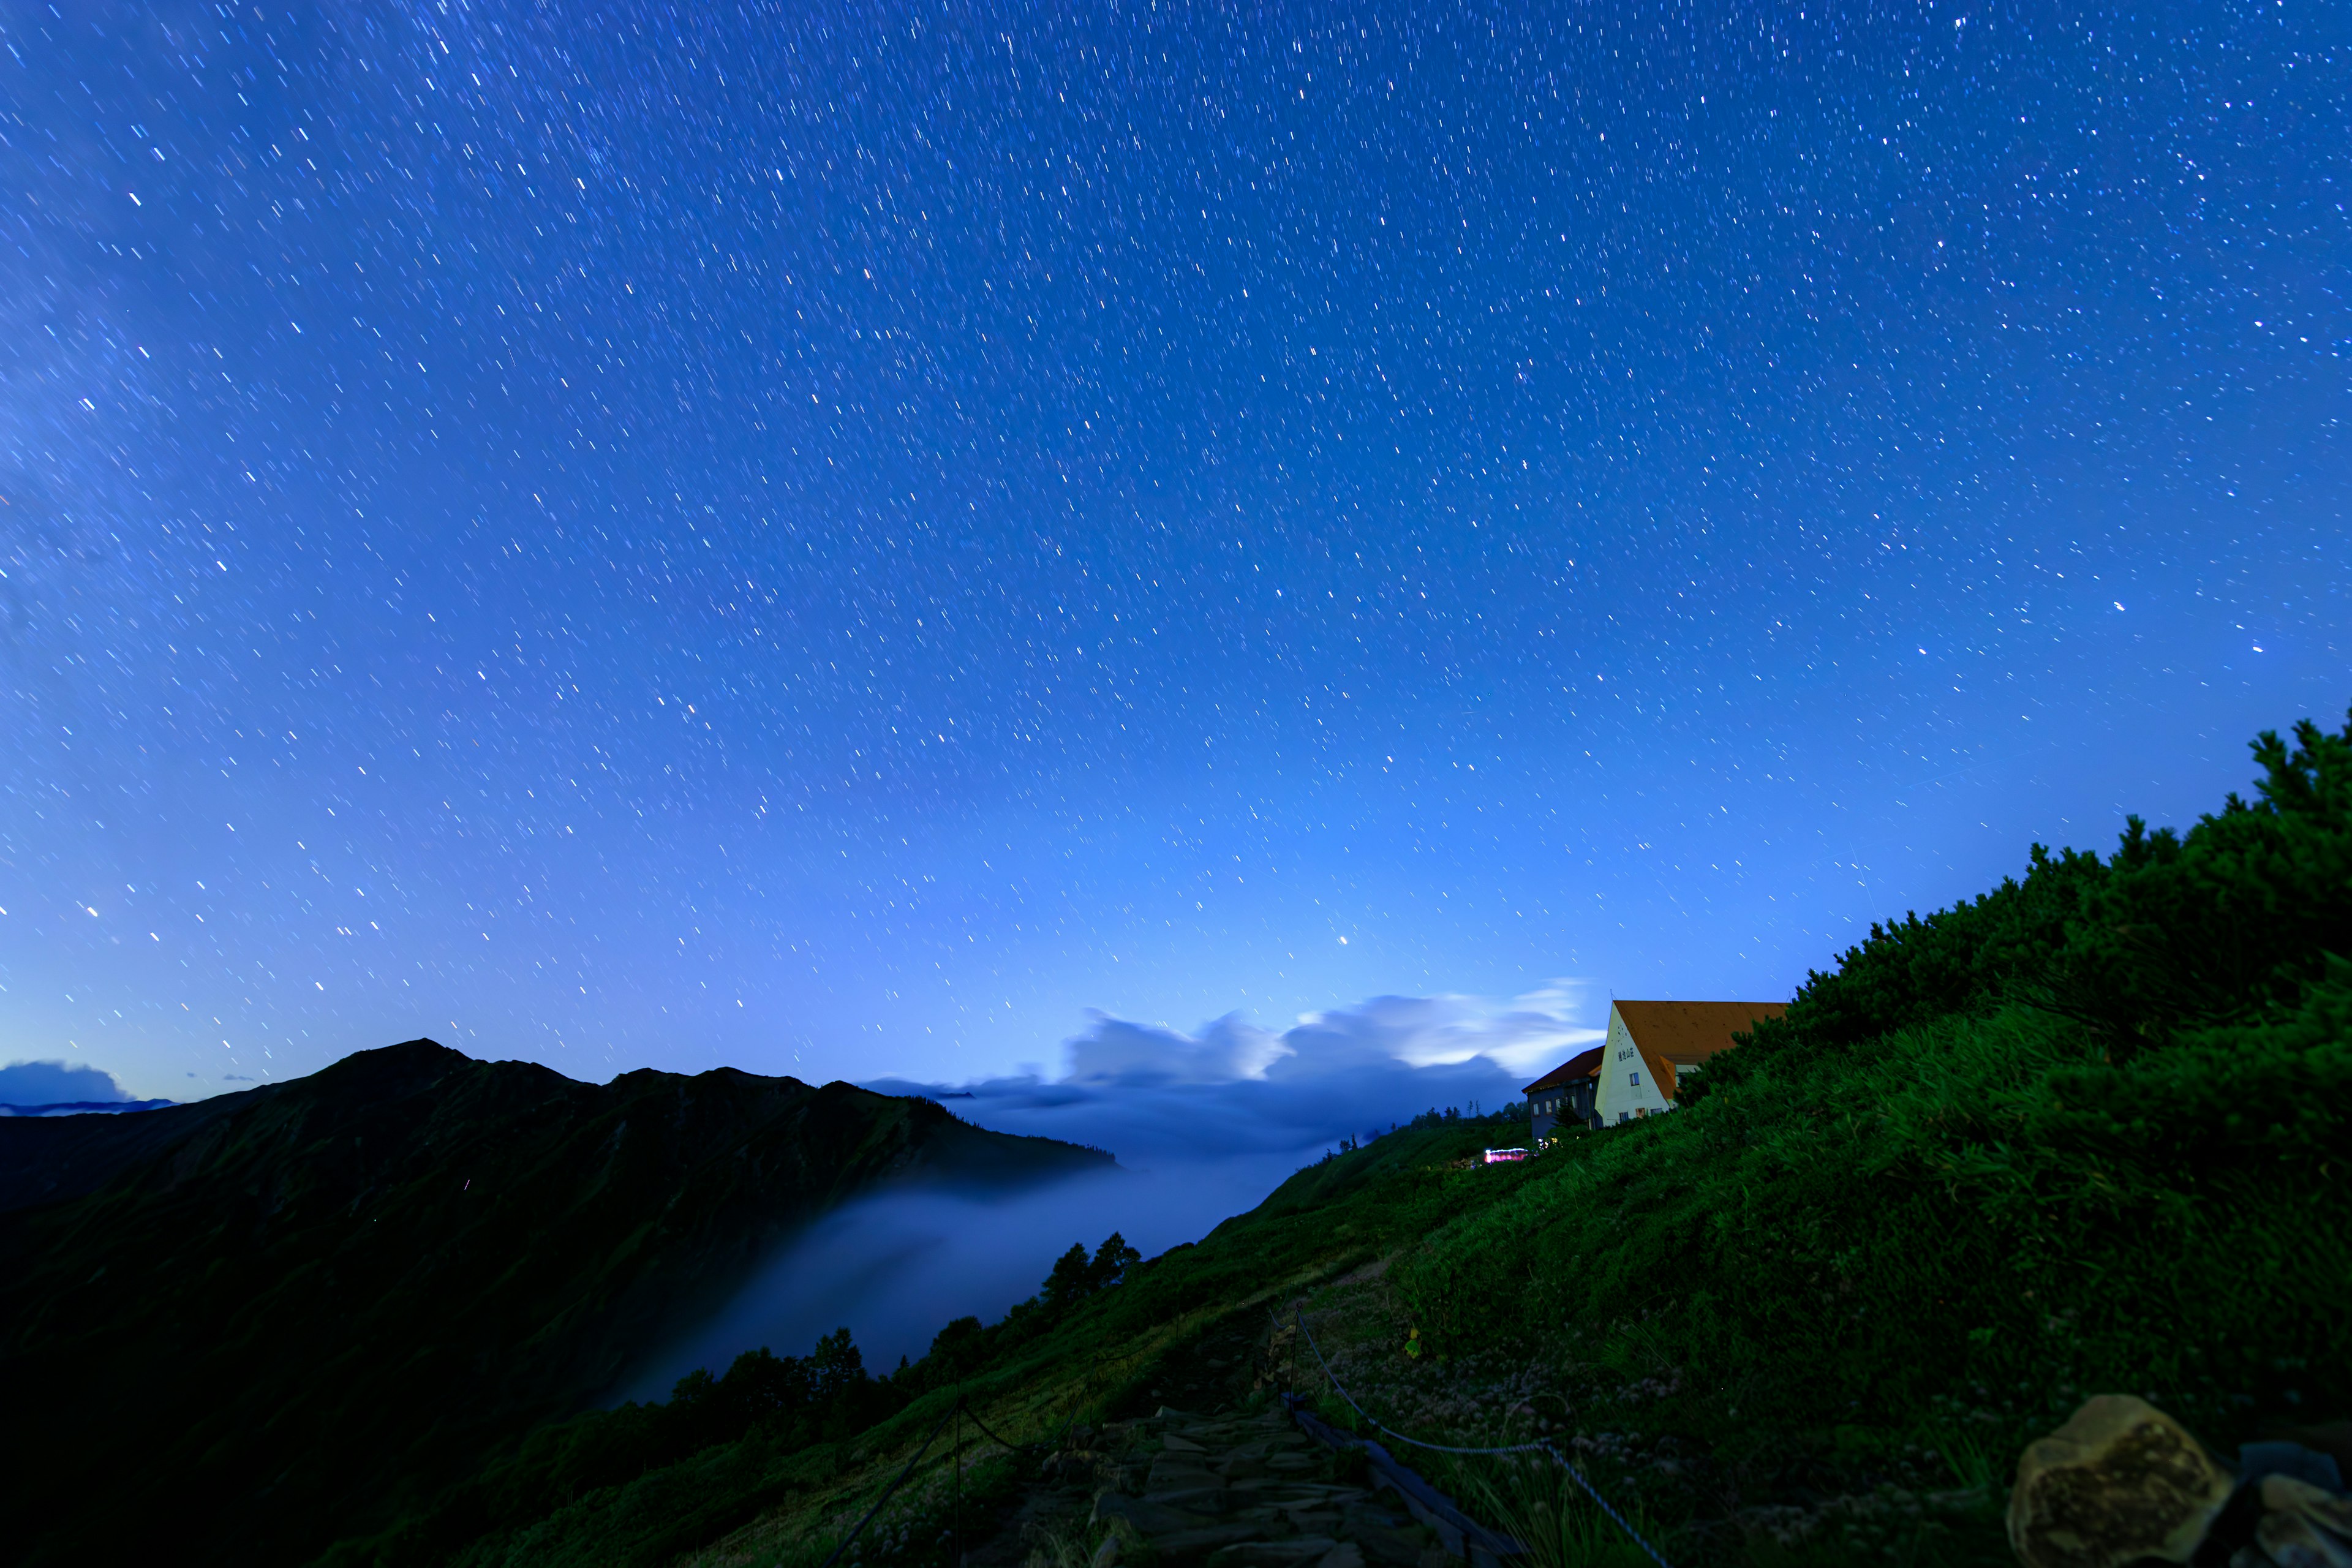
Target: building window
1634	1078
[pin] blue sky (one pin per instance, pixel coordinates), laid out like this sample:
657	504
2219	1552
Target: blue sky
836	540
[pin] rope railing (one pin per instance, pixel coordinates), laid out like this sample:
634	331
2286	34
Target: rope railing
989	1434
859	1528
960	1407
1542	1447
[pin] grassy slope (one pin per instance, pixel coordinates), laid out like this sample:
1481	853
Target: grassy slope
2082	1134
1884	1269
310	1311
1978	1218
1130	1347
1950	1238
1945	1240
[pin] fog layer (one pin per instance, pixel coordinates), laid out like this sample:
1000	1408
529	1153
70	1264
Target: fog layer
1205	1125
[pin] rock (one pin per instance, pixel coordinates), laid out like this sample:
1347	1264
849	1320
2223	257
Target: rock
1347	1554
2292	1494
2303	1526
2256	1460
2119	1481
1248	1459
1175	1444
1182	1544
1393	1547
1271	1553
1149	1517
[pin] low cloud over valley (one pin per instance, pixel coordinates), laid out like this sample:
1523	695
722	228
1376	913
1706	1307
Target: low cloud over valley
1205	1125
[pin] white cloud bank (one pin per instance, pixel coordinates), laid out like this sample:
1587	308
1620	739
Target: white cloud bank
1420	1031
57	1083
1154	1095
1205	1125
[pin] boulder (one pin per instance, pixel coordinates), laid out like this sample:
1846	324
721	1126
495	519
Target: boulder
2120	1482
2303	1526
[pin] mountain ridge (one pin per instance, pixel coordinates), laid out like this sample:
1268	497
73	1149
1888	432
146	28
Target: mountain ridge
220	1307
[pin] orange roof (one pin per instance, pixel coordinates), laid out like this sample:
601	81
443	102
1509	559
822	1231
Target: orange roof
1682	1033
1584	1064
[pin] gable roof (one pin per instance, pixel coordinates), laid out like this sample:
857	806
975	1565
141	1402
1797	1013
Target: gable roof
1672	1035
1583	1065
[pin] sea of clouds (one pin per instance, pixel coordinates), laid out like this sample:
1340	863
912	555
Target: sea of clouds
61	1088
1205	1125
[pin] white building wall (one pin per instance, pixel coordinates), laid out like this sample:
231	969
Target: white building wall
1624	1085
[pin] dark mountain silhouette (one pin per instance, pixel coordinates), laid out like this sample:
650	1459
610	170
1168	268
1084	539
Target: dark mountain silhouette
48	1159
239	1328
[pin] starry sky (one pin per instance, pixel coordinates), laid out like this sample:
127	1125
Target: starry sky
835	538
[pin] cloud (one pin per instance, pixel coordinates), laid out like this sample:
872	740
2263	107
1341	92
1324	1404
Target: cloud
1524	1035
1113	1050
1532	1034
1155	1094
893	1269
57	1083
1205	1125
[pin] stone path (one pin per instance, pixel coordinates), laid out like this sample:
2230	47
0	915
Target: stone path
1227	1491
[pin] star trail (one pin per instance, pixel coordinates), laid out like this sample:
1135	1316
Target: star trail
834	539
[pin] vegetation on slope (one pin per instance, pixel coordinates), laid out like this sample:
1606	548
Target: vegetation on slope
2082	1134
1102	1333
251	1328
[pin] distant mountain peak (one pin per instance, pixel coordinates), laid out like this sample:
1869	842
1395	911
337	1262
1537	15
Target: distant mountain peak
471	1246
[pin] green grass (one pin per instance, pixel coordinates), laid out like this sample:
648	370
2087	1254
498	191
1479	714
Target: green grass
2082	1135
1534	1502
1841	1294
1966	1227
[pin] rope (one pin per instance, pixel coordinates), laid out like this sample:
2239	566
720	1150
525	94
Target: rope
989	1434
894	1486
959	1407
1544	1448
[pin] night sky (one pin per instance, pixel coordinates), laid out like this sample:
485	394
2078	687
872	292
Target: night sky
834	539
